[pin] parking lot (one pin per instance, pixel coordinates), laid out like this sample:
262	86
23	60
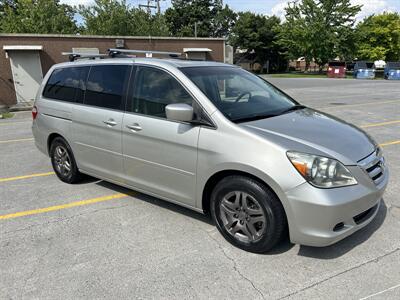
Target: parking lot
98	240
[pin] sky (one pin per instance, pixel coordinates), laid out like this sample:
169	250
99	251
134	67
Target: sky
274	7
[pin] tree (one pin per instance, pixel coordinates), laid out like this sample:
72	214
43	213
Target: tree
319	30
209	16
37	16
378	37
112	17
258	34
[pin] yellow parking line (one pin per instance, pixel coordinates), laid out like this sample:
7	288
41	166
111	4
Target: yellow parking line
14	141
26	176
359	104
62	206
380	124
390	143
12	123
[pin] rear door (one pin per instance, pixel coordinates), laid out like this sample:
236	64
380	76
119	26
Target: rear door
160	155
97	122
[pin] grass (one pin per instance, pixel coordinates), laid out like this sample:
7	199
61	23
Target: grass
297	75
6	115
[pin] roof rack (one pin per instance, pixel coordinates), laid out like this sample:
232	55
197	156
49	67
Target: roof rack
117	52
72	56
120	53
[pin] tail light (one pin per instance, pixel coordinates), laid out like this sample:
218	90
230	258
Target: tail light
329	69
34	112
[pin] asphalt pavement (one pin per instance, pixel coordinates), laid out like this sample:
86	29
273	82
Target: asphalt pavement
98	240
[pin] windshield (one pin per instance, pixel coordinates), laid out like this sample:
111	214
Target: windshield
238	94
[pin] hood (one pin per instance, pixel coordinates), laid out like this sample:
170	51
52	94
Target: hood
306	128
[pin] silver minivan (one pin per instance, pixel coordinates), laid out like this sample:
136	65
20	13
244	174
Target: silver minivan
213	138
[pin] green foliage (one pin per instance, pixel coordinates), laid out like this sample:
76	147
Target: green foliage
37	16
112	17
258	34
213	20
319	30
379	37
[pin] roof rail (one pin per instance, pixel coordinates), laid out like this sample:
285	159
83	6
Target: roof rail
72	56
115	52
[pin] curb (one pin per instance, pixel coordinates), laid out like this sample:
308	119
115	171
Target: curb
20	108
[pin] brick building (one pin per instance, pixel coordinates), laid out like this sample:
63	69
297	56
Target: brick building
26	58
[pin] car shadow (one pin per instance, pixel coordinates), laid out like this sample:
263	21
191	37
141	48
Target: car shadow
285	245
158	202
282	247
350	242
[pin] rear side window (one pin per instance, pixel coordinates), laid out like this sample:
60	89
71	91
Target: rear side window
106	86
66	84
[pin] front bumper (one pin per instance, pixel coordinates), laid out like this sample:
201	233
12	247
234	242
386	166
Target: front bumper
321	217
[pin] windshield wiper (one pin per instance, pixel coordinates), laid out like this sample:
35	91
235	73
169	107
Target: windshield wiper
292	108
253	118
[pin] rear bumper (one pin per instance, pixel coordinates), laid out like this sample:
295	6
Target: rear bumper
321	217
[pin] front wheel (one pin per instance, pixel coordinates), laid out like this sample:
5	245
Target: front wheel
248	214
63	161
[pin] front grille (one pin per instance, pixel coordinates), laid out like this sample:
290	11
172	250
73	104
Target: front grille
374	166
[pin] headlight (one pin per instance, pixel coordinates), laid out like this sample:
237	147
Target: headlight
321	171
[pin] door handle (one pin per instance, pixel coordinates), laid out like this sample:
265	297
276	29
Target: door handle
134	127
110	122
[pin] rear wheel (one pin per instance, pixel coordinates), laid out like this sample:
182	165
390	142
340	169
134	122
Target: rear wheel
63	161
248	214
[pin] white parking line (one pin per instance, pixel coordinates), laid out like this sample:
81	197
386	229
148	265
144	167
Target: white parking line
381	292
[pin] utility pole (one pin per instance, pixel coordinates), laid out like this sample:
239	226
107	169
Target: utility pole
158	6
148	6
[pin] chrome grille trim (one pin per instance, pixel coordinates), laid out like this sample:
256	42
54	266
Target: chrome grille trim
373	165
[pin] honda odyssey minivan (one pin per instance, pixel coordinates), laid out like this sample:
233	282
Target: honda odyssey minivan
213	138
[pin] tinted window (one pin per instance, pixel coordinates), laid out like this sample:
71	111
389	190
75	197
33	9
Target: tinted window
154	90
67	84
106	86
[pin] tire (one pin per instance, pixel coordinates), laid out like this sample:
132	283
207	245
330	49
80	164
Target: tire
63	161
256	224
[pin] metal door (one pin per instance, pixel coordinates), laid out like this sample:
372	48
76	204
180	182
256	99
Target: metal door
27	74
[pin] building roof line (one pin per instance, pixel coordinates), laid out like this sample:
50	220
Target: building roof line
109	37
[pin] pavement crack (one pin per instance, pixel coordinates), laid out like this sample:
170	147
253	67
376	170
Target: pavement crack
235	266
376	259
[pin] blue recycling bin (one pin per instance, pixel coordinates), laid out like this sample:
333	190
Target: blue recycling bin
392	70
364	70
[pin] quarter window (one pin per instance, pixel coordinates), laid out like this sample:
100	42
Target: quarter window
155	89
66	84
106	86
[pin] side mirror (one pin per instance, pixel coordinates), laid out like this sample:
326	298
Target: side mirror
179	112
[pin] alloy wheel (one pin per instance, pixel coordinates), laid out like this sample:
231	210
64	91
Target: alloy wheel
62	161
242	216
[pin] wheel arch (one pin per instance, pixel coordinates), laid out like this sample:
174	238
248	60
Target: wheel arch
219	175
51	138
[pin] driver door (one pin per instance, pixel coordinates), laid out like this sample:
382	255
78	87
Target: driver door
159	155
